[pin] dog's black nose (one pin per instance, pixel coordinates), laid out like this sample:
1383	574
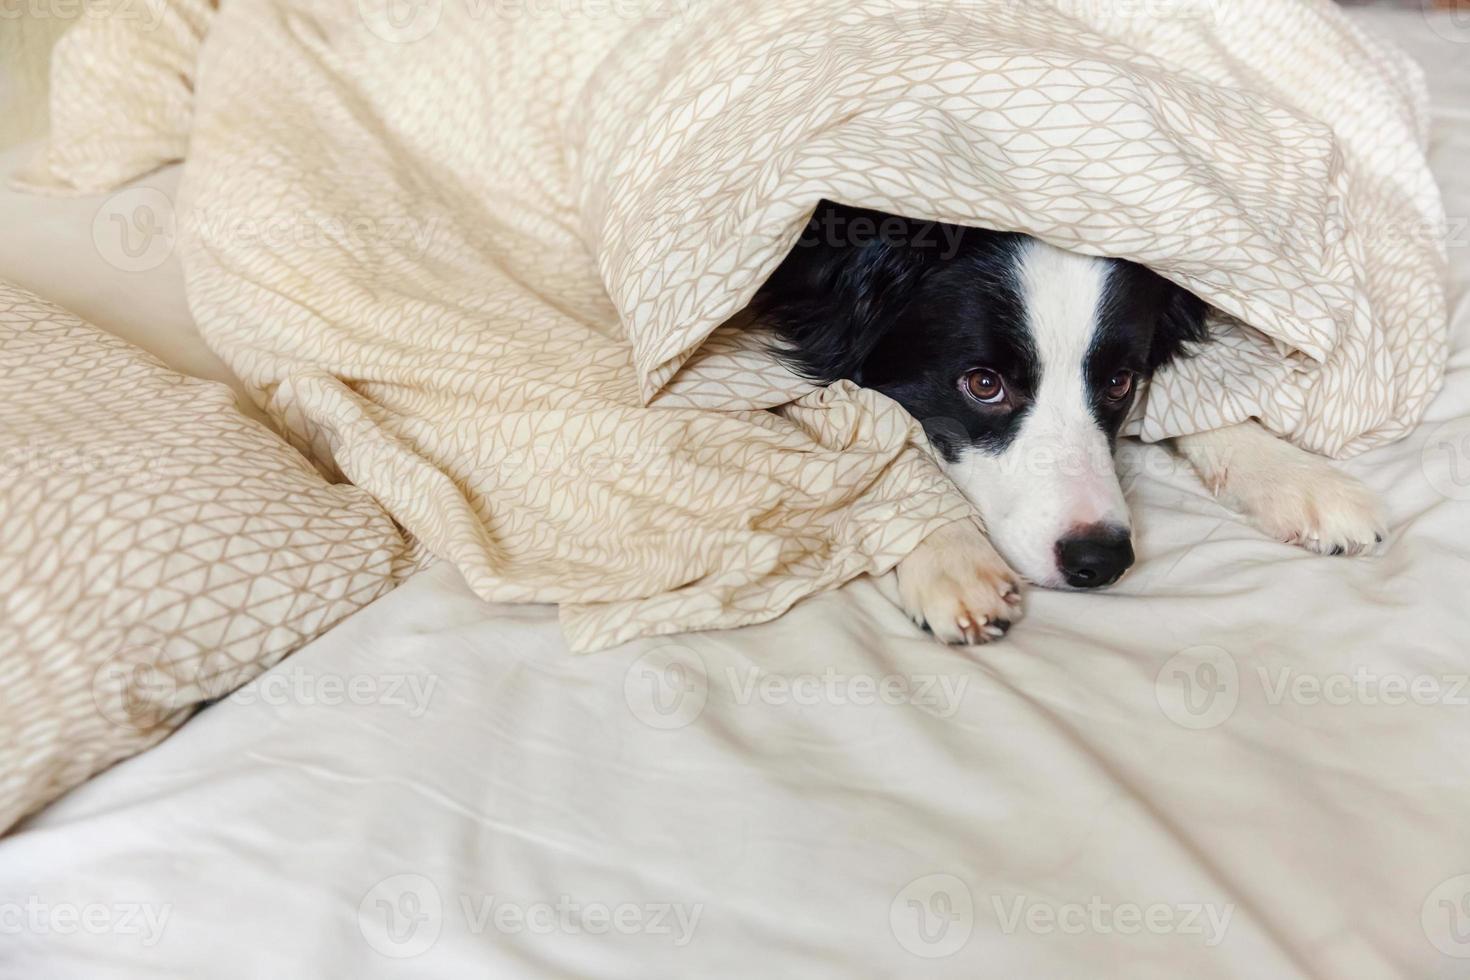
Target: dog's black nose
1094	556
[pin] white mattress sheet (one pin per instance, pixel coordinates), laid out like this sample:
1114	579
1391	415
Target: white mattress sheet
1242	761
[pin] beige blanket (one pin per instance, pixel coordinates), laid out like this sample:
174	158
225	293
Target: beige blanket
477	253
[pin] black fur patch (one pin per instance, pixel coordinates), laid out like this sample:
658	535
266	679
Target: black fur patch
1144	322
909	307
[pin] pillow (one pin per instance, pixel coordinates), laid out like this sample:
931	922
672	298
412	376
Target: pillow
121	95
159	549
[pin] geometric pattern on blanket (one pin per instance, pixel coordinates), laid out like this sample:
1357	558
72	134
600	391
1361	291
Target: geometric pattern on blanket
1268	157
159	550
460	257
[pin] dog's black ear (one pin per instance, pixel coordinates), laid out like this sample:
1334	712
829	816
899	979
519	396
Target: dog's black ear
1181	323
839	291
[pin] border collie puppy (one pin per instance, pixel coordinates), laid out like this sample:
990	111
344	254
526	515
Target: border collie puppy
1022	360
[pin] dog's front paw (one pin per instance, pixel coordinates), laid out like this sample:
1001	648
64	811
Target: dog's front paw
955	585
1290	494
1318	508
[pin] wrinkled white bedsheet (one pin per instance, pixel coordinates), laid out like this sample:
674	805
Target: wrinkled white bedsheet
1244	761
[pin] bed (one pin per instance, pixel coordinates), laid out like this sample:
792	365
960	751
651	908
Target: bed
1242	761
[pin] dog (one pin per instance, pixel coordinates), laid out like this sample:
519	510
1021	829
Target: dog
1022	361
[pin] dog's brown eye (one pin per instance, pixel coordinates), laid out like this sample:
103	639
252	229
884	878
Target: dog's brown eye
1119	386
985	386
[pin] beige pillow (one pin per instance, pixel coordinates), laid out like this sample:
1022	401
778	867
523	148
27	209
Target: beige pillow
159	549
121	95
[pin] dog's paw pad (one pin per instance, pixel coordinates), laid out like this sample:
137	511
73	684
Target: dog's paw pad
957	588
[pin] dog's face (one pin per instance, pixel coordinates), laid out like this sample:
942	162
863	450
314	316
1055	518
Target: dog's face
1021	360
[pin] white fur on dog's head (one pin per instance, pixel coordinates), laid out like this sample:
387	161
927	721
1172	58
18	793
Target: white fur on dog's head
1055	477
1020	359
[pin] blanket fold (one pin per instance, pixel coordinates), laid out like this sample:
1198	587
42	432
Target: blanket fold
488	259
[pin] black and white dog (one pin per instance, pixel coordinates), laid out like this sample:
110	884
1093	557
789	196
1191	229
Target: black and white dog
1022	361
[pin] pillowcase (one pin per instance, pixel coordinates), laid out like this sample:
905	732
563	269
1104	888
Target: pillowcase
158	550
121	95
